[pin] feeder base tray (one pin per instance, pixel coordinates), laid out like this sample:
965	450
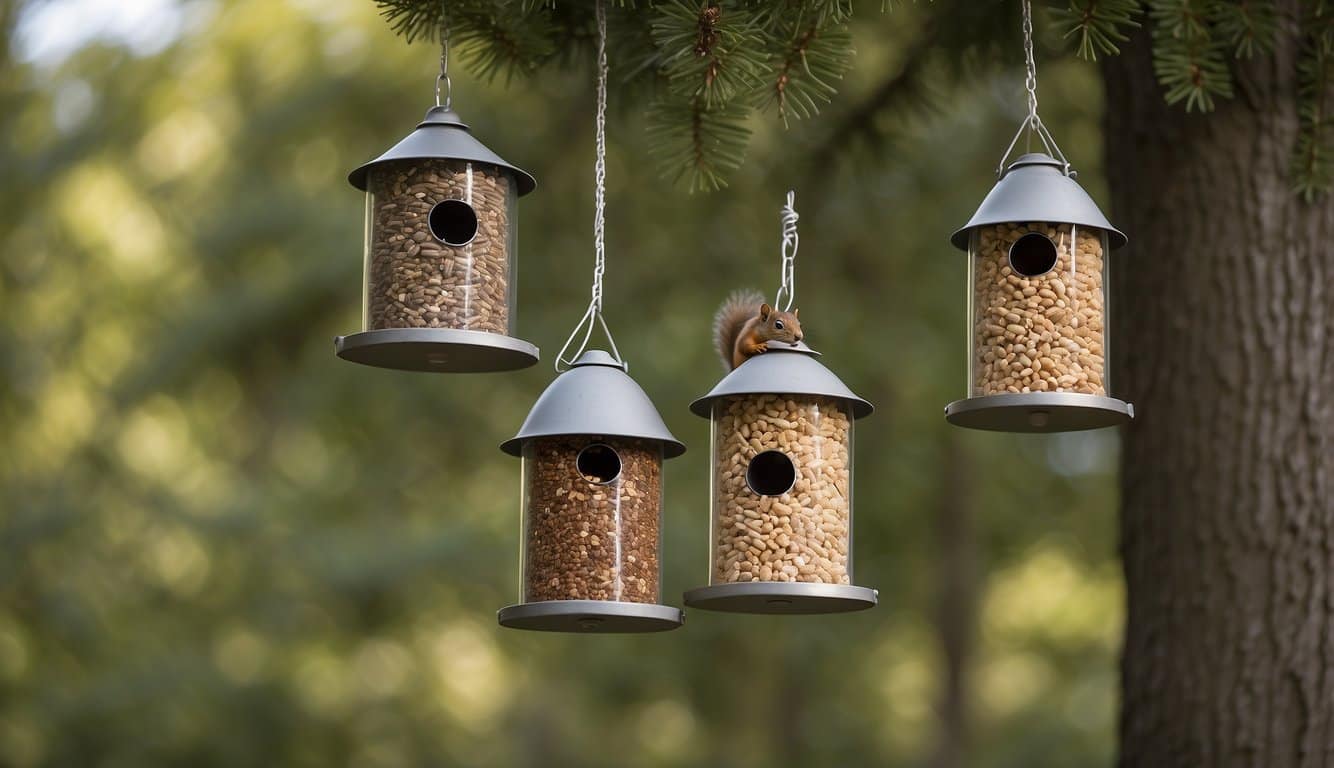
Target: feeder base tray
437	350
782	597
1039	412
590	616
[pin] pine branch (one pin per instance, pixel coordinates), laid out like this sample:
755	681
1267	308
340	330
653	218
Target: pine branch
708	64
1188	57
1313	157
1248	24
712	146
817	51
709	53
1099	24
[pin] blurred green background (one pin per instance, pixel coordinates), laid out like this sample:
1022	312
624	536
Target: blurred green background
222	546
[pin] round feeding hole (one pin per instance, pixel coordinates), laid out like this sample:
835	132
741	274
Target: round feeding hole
771	474
453	222
1032	255
598	463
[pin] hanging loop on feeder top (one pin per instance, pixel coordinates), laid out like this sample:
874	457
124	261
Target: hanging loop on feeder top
1032	123
442	79
787	287
593	315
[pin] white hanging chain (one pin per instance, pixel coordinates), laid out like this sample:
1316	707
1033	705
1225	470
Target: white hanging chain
593	315
443	77
1032	123
787	287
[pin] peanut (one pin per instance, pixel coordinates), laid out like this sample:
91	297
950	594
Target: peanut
1041	333
587	540
802	535
417	281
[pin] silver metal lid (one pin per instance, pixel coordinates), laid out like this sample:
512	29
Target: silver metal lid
786	369
441	135
1035	188
595	397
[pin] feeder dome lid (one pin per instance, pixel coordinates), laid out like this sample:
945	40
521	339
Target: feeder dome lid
595	397
441	135
786	369
1036	188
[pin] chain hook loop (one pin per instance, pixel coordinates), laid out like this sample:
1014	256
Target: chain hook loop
787	286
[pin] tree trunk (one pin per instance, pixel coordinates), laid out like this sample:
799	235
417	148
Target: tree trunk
1223	337
956	604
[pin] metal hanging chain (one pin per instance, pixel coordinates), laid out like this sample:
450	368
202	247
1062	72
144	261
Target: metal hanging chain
593	315
443	77
787	287
1032	122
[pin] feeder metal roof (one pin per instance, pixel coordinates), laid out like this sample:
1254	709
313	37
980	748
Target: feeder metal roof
595	397
1036	188
441	135
786	369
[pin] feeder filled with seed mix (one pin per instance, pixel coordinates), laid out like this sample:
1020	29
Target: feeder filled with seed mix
1038	305
780	537
439	291
592	450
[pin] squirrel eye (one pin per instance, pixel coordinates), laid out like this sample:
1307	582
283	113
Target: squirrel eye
778	324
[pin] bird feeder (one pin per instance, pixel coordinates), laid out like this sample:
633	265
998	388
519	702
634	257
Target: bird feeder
592	450
439	276
781	488
1038	305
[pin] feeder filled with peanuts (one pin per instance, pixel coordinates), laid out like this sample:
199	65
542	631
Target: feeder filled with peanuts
780	537
592	450
1038	306
439	278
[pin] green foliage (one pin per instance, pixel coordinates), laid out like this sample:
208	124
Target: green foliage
1249	25
1099	24
711	65
1189	54
1313	159
811	49
1193	43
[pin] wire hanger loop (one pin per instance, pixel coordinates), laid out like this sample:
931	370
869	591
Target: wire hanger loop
592	317
1032	124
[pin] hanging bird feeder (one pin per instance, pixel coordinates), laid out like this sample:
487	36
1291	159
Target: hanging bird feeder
440	282
592	450
781	488
1038	296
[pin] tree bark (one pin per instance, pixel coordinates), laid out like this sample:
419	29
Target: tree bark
1223	337
956	603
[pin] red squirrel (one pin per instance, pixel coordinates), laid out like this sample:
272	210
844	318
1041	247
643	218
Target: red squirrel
745	322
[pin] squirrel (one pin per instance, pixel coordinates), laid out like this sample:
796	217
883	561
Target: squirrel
745	322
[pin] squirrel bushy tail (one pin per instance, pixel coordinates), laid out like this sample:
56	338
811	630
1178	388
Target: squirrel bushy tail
731	317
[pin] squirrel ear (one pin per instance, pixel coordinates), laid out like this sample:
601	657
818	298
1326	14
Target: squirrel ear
765	309
796	312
